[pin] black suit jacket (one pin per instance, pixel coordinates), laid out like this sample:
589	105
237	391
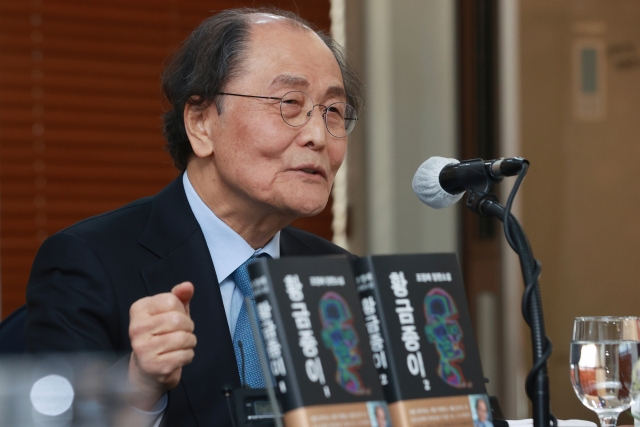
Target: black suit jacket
85	278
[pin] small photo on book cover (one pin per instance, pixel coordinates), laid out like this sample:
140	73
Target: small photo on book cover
379	414
480	410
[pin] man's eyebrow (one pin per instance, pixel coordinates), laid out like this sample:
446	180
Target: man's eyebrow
337	91
289	80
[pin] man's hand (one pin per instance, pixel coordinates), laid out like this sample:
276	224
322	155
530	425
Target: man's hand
161	333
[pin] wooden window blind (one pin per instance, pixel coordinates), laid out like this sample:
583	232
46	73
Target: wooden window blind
80	107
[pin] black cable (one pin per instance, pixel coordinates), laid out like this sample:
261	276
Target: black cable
507	211
531	300
531	376
529	288
226	391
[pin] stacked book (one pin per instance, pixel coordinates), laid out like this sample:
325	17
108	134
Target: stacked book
376	341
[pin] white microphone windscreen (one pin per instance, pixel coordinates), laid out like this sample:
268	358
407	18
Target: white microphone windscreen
426	183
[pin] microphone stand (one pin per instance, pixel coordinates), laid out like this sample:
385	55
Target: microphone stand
537	384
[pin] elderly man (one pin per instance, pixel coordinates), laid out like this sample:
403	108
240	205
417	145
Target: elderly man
483	414
261	109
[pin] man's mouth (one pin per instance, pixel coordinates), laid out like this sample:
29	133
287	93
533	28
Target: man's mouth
313	171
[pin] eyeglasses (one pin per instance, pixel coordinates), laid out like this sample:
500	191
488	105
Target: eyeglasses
296	108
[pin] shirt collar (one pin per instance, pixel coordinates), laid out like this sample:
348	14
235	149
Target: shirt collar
228	249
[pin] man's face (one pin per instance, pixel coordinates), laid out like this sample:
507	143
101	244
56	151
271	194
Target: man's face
481	409
381	417
260	161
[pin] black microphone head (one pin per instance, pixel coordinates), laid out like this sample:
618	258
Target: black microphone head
426	183
511	166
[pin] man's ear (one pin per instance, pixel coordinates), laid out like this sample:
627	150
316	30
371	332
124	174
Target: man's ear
199	124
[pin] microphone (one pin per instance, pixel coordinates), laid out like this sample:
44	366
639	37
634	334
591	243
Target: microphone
243	373
441	182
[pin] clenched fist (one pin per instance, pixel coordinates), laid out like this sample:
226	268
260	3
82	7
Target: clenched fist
162	339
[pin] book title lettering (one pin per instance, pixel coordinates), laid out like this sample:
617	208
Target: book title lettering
410	336
273	347
375	337
306	338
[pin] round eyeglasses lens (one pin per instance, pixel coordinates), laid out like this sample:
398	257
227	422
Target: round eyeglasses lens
294	107
340	118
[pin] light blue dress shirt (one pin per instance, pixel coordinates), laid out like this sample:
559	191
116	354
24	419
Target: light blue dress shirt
228	251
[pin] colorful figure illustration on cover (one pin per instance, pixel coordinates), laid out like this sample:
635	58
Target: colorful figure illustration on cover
339	335
444	331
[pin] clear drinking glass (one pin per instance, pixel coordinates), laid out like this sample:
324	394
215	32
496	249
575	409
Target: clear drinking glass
604	355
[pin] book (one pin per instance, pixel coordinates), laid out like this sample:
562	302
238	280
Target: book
420	334
316	342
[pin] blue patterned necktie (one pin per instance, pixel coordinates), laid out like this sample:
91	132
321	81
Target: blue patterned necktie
252	369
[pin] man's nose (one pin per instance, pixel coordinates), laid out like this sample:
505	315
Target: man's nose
316	127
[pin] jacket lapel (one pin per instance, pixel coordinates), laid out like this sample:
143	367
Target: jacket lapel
174	235
290	245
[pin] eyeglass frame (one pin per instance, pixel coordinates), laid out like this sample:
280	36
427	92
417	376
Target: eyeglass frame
324	114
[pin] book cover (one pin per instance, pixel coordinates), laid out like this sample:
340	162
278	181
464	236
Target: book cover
420	334
316	341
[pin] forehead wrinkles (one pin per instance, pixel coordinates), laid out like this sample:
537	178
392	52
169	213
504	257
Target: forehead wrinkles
286	79
252	49
260	44
307	49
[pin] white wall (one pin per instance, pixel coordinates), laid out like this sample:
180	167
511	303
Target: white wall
581	198
410	71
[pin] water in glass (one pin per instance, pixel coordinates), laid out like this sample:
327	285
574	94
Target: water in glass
604	355
601	374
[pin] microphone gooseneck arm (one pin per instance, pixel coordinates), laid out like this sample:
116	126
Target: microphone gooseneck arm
439	182
243	373
537	383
